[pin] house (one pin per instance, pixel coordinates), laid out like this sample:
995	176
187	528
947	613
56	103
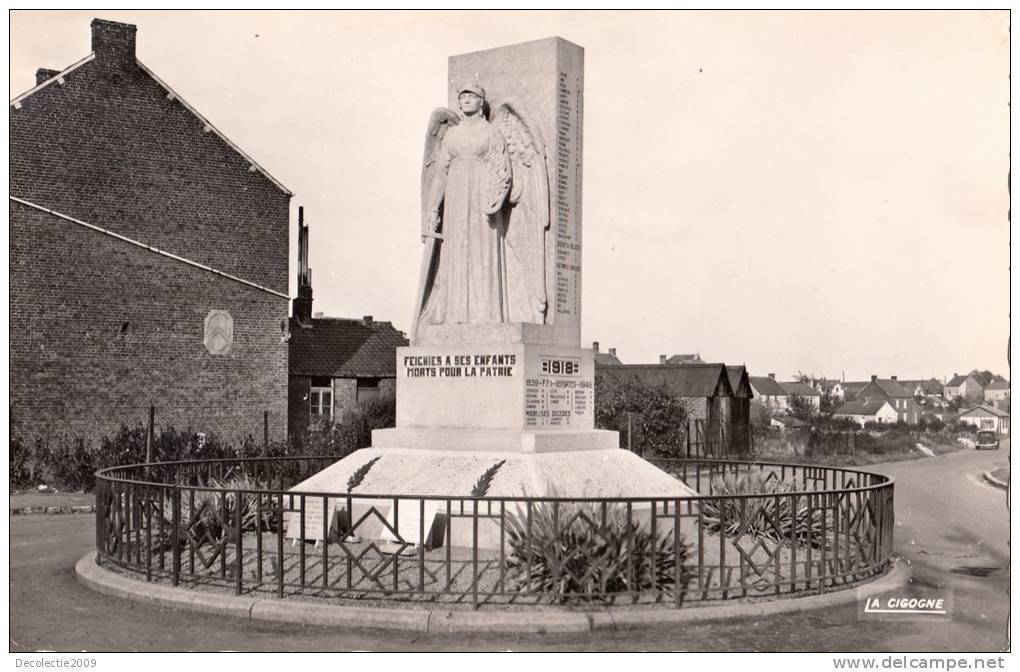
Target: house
899	397
995	391
785	422
769	392
705	393
966	387
834	388
986	417
681	359
852	388
148	258
335	363
604	358
804	391
927	388
863	411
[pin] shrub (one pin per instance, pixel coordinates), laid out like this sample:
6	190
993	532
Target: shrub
206	522
569	555
71	463
658	418
21	463
380	413
771	515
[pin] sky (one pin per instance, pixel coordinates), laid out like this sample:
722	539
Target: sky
817	192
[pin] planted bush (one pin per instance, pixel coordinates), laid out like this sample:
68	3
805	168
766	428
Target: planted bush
72	463
567	552
212	517
773	513
21	465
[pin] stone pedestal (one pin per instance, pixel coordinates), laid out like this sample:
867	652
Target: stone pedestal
513	401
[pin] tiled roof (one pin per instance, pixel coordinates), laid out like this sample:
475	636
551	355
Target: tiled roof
852	388
735	374
687	380
767	387
957	381
893	388
684	359
606	359
997	385
867	407
343	348
799	389
982	409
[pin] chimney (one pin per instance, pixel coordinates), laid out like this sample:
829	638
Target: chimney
367	319
595	347
112	42
893	377
42	74
662	359
303	302
772	376
874	378
612	351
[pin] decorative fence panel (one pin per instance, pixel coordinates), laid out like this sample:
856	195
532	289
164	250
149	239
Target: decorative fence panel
754	529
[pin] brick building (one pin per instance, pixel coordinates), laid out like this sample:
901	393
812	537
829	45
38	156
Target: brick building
149	258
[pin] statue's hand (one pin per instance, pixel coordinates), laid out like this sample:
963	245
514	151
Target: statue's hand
431	226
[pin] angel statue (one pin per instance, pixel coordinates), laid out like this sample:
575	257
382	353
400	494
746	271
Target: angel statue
485	213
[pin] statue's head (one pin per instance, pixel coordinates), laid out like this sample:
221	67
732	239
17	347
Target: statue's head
471	99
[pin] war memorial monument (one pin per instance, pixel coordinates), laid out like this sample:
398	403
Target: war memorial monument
495	384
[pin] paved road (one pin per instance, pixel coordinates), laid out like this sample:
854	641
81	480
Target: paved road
952	528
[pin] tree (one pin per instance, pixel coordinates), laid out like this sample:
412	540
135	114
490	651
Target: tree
828	403
761	418
657	416
984	378
800	407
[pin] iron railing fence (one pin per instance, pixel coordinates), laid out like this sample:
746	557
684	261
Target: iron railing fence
752	530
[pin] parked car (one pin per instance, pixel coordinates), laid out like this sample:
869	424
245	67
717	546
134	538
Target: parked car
986	438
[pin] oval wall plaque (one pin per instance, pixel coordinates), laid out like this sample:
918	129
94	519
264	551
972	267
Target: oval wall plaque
219	332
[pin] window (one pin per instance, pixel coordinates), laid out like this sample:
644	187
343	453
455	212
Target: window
368	388
321	398
987	423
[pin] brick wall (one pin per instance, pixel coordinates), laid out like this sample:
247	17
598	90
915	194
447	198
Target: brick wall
110	148
345	395
101	328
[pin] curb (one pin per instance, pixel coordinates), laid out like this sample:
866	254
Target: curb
94	577
52	510
994	481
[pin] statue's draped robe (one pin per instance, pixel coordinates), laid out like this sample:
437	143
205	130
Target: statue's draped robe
470	278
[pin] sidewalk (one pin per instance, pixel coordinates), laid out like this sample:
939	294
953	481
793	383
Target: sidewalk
36	502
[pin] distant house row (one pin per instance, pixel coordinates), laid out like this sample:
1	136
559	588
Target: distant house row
716	397
775	395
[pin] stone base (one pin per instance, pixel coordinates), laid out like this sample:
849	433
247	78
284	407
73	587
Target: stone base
400	474
490	440
450	473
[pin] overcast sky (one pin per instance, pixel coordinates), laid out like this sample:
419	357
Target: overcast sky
823	192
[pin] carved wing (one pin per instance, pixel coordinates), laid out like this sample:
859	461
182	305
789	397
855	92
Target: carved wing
433	174
433	166
526	214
